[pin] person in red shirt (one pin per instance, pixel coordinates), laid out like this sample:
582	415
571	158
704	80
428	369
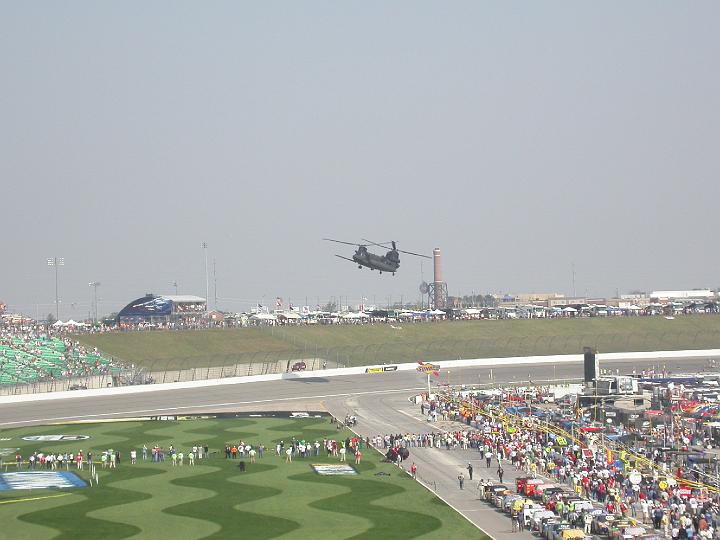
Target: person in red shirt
413	471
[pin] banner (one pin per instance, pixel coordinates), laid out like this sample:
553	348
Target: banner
382	369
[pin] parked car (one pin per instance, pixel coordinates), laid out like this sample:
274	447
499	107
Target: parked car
548	524
536	521
520	483
529	510
511	501
540	489
602	523
531	484
579	504
618	527
493	490
299	366
572	534
499	496
557	529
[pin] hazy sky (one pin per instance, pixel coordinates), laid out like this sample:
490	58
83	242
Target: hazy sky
519	137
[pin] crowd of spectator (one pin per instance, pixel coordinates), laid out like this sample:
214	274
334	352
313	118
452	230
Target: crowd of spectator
660	493
30	353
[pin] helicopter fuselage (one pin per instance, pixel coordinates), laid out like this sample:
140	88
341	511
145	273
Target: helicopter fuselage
376	262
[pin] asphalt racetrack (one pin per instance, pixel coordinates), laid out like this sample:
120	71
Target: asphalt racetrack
290	394
380	402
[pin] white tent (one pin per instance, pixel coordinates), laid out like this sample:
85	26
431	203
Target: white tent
437	312
570	310
58	324
263	317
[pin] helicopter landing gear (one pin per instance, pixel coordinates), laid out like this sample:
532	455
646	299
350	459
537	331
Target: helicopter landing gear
360	266
381	271
393	273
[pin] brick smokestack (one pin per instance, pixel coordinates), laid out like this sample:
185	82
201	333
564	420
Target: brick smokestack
439	286
437	265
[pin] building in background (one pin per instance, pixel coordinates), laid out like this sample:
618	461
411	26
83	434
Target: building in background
699	294
166	308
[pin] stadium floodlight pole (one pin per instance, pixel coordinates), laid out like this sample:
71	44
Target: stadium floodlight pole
56	261
95	285
207	277
215	282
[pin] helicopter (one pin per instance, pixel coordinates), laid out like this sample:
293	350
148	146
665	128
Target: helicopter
389	262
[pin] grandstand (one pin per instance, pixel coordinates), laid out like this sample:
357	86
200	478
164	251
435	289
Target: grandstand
28	358
152	308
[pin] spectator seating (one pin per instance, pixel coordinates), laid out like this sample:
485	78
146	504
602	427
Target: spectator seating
25	359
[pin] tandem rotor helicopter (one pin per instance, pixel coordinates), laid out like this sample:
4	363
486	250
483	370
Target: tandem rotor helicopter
389	262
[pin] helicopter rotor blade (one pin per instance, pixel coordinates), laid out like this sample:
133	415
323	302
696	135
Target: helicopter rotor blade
346	258
398	250
376	243
416	254
341	242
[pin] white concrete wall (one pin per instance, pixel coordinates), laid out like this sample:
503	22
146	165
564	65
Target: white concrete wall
480	362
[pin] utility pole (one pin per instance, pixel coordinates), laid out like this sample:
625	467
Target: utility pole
204	246
175	284
56	262
573	280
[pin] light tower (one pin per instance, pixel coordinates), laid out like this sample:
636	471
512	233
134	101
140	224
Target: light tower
437	290
204	246
95	285
56	262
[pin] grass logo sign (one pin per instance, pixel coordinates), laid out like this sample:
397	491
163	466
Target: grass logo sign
39	480
55	438
334	470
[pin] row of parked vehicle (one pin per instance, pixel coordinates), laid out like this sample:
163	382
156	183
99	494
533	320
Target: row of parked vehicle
535	500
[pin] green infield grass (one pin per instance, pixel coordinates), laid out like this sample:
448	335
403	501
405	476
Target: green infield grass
353	345
214	498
